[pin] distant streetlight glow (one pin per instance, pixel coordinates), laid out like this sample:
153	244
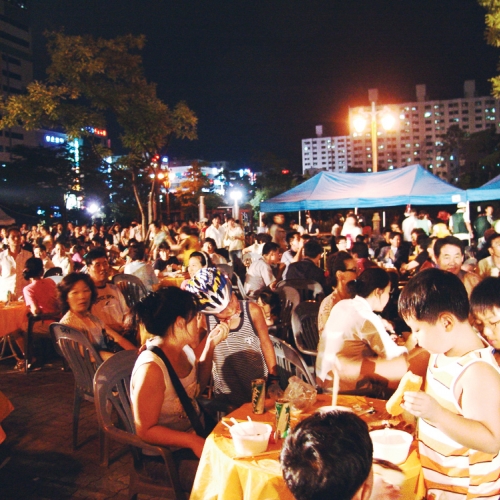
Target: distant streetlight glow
388	121
236	196
93	208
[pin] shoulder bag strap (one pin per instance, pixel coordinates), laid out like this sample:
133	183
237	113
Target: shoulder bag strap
181	393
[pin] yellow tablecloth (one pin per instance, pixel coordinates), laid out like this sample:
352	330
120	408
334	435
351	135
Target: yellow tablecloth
13	318
221	476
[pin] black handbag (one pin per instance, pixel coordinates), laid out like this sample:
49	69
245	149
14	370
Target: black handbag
200	429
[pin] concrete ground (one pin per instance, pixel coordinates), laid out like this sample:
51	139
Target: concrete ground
36	459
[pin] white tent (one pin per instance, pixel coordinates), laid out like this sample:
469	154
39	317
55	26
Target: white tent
6	220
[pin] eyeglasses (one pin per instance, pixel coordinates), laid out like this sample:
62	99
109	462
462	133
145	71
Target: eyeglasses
355	271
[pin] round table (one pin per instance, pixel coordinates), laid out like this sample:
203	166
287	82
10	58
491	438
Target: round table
223	476
13	318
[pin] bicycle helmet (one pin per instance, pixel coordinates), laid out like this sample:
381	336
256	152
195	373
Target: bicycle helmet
212	288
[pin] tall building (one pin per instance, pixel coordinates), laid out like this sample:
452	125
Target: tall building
17	66
418	136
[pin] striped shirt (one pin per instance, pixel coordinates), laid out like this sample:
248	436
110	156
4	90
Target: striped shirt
452	471
237	360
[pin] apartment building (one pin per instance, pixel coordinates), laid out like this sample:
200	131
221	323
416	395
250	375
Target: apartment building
418	133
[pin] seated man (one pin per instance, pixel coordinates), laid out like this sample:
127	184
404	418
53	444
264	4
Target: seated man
396	253
490	266
165	259
308	267
449	256
327	456
110	306
210	248
260	273
294	253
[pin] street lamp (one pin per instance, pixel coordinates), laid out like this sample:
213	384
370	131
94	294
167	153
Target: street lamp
167	177
387	120
236	196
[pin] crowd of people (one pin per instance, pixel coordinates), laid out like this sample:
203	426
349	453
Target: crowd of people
423	295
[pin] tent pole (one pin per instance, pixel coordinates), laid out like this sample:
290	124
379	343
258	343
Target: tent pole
300	219
383	219
356	210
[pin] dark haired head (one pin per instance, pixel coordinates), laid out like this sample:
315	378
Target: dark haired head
291	236
269	247
204	258
485	296
489	240
94	254
337	262
327	456
368	281
312	249
448	240
263	238
433	292
423	241
211	242
159	310
12	229
33	268
67	284
163	246
136	252
360	250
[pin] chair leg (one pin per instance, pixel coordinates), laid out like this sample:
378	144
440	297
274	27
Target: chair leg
76	417
103	448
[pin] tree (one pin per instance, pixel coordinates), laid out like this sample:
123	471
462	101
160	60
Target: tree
276	178
492	34
91	79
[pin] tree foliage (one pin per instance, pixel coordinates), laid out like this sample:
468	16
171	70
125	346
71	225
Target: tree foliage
492	34
90	79
476	156
276	178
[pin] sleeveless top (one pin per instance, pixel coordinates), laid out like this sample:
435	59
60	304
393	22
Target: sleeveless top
237	360
452	471
172	414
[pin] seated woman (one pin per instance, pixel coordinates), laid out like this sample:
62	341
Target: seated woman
247	353
197	261
41	297
137	267
77	294
159	415
355	341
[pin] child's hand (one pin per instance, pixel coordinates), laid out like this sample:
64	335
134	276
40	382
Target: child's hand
421	404
218	334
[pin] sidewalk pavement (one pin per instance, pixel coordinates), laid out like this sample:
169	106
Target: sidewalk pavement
36	460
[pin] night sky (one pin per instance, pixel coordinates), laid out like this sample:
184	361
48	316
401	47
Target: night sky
261	74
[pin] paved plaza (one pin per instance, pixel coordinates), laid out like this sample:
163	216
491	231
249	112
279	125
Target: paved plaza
36	460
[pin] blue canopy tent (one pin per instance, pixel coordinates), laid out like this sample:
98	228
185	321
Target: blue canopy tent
326	190
488	192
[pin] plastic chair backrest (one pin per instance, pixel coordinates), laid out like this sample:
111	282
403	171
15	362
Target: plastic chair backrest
131	286
53	271
290	363
241	288
112	392
57	278
308	289
81	355
305	328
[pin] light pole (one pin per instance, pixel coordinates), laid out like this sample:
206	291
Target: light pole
387	120
236	197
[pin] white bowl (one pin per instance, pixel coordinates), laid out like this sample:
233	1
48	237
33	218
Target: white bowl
391	444
250	438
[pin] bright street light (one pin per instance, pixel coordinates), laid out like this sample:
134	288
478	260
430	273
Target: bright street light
236	196
93	208
387	119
